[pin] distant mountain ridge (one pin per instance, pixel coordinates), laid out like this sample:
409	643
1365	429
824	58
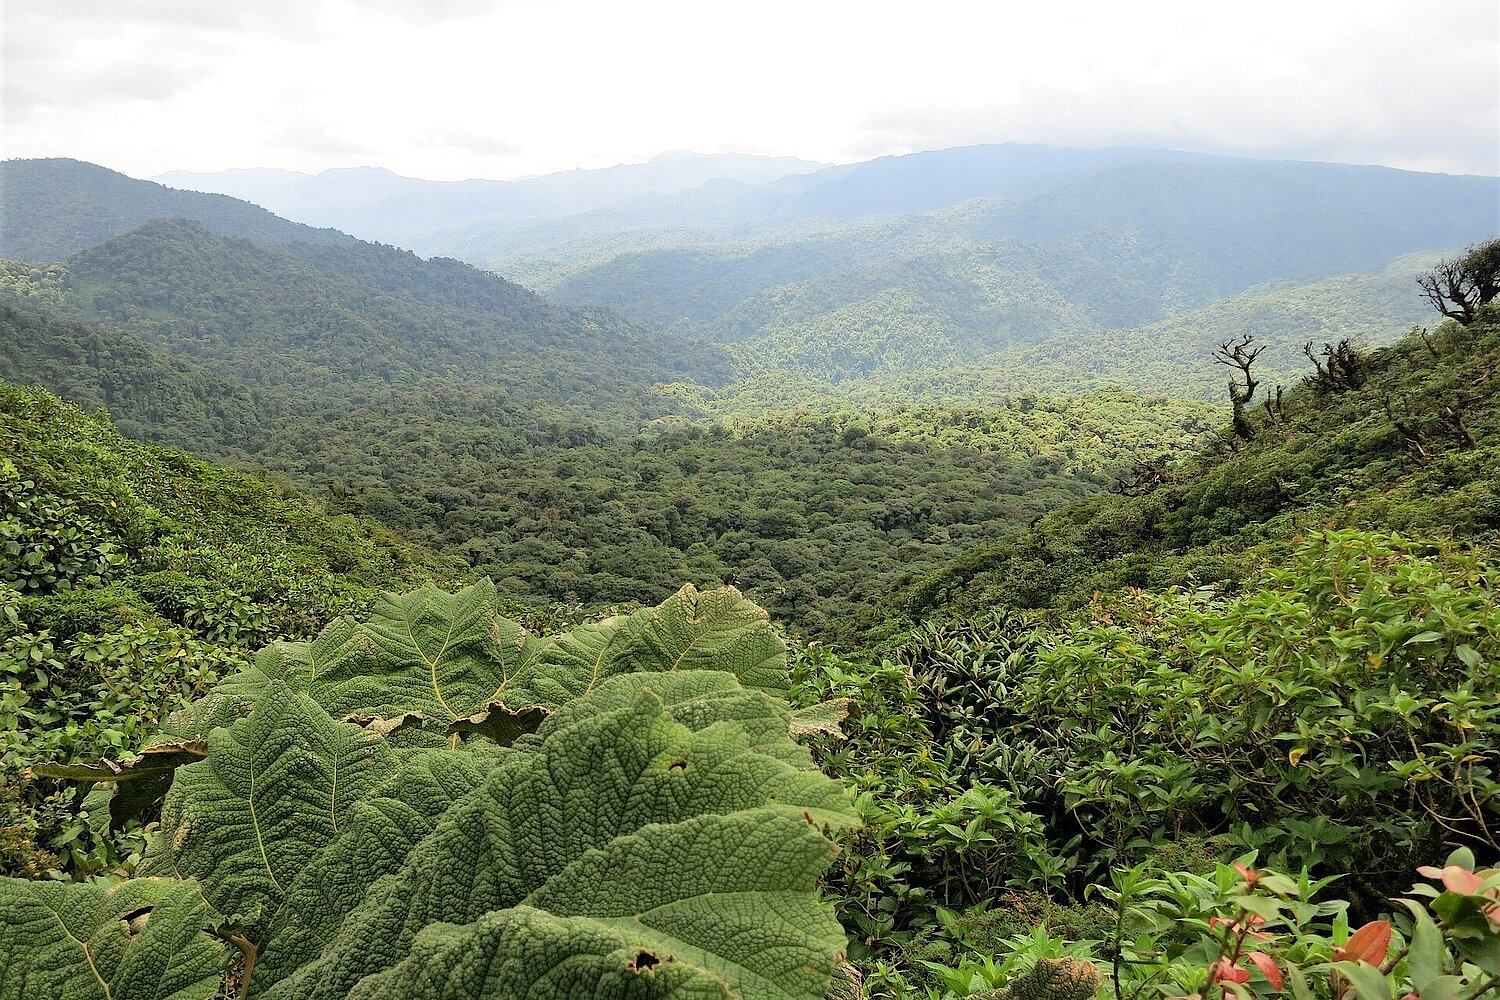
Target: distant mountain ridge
379	204
52	208
253	322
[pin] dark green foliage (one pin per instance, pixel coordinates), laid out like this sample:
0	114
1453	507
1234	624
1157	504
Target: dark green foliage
814	517
1324	459
333	317
1336	714
130	578
473	417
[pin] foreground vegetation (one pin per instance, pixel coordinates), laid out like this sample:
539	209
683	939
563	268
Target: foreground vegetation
1276	780
1194	737
131	578
449	805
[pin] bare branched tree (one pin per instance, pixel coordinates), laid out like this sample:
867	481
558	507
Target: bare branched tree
1275	407
1457	288
1240	355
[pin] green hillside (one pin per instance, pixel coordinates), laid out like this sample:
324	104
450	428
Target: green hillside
813	516
1412	448
132	576
363	311
51	209
892	349
1123	245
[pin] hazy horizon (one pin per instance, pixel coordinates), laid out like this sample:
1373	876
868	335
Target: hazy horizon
521	88
817	165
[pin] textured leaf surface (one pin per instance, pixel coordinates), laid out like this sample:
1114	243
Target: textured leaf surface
531	953
696	699
711	630
274	791
141	940
614	789
440	655
651	830
569	666
375	840
692	630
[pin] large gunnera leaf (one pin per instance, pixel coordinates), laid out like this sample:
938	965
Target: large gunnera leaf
248	820
446	661
433	803
691	848
142	940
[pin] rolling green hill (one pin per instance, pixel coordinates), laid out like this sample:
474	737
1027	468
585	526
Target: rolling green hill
51	209
892	349
304	314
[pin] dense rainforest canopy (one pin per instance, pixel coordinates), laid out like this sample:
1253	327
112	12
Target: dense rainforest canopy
1005	675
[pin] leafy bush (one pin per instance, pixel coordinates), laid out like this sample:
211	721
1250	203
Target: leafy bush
1244	932
46	546
132	579
1336	713
435	802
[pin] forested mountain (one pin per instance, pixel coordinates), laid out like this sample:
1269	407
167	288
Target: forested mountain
367	311
1127	247
51	209
1091	265
377	204
547	446
149	396
866	359
814	515
1074	252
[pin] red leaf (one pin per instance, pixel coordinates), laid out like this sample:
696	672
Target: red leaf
1268	968
1223	971
1368	944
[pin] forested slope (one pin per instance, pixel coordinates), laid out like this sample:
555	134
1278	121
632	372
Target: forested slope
1412	447
131	575
1124	245
341	314
51	209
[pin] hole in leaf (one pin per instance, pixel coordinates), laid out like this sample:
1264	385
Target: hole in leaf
643	961
677	765
135	920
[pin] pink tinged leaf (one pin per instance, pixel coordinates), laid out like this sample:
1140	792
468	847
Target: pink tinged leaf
1251	875
1268	968
1461	881
1224	971
1368	944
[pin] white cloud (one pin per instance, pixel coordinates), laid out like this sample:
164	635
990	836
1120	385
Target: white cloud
466	88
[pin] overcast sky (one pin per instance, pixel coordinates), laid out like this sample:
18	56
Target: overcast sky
503	88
